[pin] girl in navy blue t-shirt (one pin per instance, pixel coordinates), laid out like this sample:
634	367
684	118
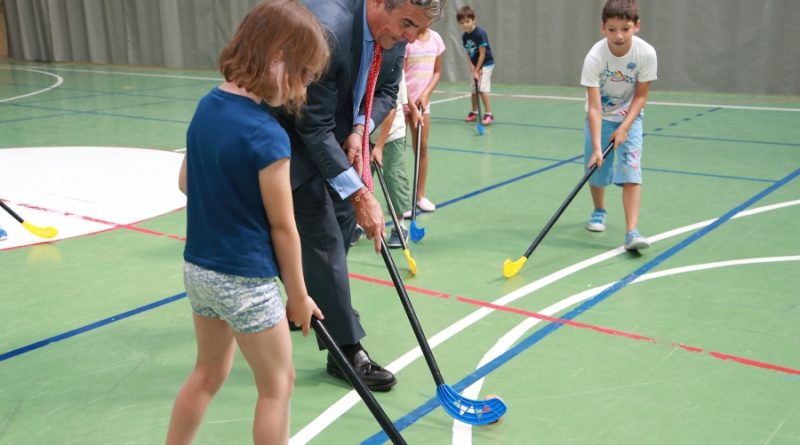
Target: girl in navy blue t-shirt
240	229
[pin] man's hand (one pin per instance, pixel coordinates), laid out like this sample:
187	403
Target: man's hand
352	146
369	215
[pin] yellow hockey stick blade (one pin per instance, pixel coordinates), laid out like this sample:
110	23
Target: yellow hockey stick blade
411	263
510	268
42	232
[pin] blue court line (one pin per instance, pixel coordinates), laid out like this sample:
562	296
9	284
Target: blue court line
511	124
735	141
688	119
654	134
491	153
507	181
132	93
158	303
96	113
89	327
43	116
539	335
539	158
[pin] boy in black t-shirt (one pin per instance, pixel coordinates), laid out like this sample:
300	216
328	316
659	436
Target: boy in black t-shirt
481	62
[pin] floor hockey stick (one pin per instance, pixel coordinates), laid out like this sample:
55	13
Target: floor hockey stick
473	412
358	385
417	233
479	123
42	232
411	263
510	268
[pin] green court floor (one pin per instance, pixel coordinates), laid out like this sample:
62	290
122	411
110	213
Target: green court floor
693	341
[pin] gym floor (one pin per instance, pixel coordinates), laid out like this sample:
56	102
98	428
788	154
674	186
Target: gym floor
694	340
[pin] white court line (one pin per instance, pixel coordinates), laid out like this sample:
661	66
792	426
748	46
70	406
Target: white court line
441	101
118	73
59	81
462	432
338	409
462	94
649	102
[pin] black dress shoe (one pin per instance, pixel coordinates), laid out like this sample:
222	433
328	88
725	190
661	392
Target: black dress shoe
372	374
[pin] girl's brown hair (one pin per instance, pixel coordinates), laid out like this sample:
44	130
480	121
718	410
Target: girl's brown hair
276	30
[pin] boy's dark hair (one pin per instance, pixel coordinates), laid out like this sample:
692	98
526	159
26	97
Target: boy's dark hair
621	9
465	12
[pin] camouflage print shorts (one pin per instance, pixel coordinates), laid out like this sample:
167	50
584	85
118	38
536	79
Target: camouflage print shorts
248	305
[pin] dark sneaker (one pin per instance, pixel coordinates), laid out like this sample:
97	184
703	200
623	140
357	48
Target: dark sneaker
357	235
394	240
372	374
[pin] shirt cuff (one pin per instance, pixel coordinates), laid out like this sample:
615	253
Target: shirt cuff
360	121
346	183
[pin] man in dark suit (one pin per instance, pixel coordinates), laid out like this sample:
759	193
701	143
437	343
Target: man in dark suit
329	195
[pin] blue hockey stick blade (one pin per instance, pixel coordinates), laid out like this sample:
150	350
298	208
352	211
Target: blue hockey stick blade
417	233
473	412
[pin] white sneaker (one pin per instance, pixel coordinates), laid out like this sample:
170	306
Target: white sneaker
426	205
407	214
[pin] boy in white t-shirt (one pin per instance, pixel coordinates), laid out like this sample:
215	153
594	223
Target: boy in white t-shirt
617	73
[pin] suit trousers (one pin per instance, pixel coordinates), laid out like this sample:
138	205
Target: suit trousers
326	224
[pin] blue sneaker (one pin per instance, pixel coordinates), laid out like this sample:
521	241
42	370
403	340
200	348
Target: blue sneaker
597	223
635	241
3	234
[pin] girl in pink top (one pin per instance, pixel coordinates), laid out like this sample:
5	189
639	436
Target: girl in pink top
422	70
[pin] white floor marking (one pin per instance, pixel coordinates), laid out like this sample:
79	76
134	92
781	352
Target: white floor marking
59	81
325	419
462	433
461	93
82	190
120	73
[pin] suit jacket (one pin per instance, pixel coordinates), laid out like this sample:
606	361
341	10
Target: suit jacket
327	118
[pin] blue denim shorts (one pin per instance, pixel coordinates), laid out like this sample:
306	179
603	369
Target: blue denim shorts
628	166
248	305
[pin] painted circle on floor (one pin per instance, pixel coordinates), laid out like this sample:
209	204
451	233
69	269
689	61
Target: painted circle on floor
84	190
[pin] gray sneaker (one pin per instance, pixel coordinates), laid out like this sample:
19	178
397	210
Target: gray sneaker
394	240
358	233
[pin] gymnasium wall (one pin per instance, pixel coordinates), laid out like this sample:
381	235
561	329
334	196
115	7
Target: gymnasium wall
741	46
3	42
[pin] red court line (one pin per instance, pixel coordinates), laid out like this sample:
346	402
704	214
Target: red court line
718	355
388	283
112	225
607	331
